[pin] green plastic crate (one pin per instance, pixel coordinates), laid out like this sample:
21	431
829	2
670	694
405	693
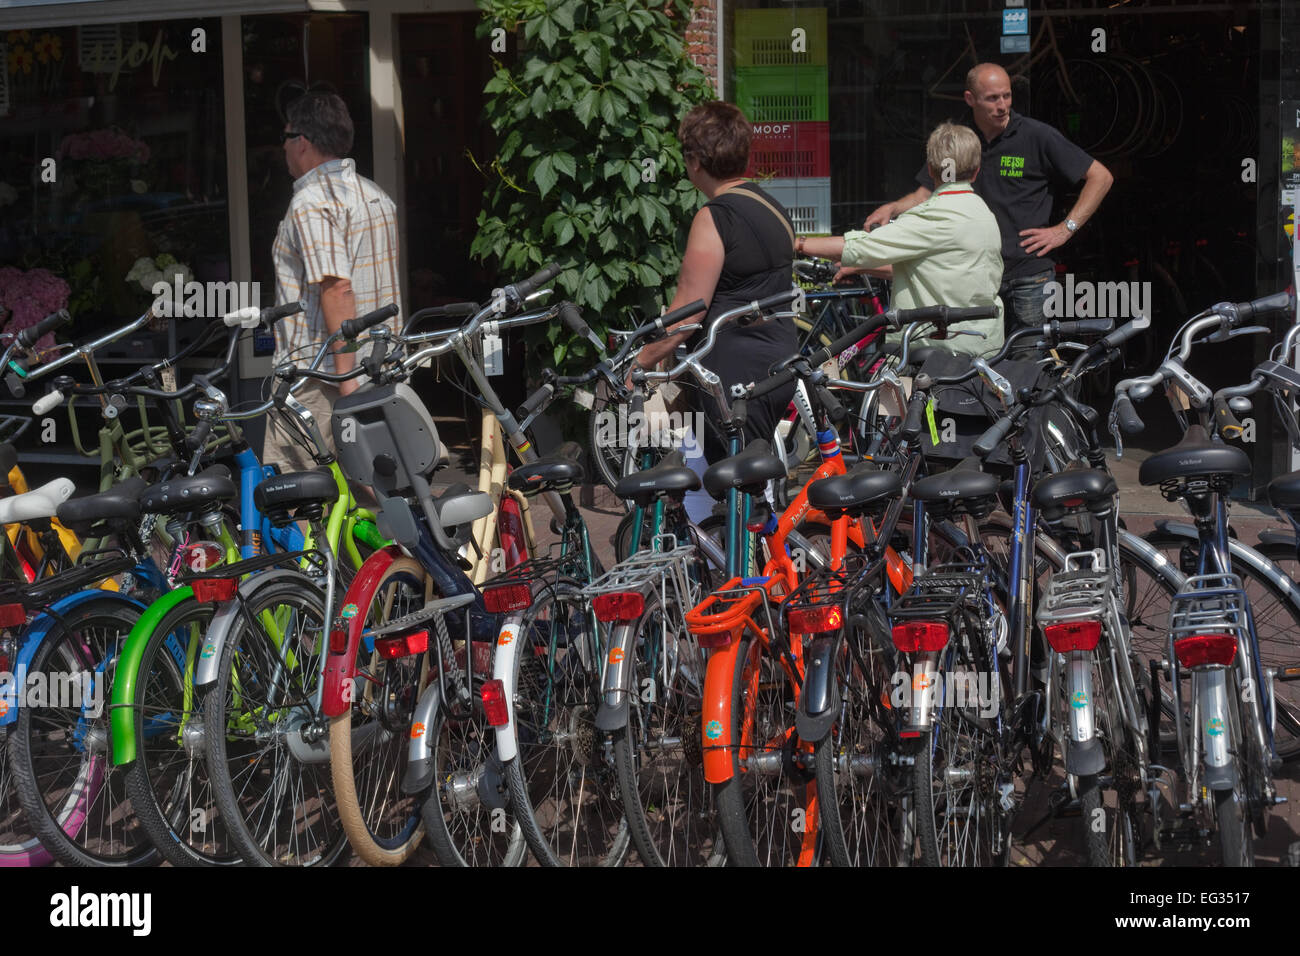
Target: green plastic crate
763	37
779	94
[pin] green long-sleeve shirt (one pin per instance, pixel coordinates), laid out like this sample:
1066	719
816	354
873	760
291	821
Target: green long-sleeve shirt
945	251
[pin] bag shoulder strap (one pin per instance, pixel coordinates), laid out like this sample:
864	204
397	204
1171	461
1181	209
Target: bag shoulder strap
785	223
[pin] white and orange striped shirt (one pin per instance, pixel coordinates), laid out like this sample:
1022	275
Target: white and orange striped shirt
339	224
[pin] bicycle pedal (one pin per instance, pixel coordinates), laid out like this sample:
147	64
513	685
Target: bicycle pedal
429	611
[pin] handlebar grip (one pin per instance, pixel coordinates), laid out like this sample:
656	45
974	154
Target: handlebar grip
1224	420
987	443
926	313
773	383
1125	332
572	317
873	324
532	283
1083	327
778	300
685	312
538	399
636	404
834	410
199	436
971	314
27	337
1278	302
912	421
351	328
47	402
275	313
1129	420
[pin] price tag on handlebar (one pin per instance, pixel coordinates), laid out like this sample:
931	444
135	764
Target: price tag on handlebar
492	354
929	419
584	399
1177	395
168	376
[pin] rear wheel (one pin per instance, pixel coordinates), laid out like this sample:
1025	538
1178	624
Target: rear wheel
59	749
368	742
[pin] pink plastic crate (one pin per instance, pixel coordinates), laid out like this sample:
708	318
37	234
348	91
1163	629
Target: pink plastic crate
790	151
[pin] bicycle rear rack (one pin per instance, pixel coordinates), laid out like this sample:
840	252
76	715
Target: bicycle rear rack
650	568
1076	592
941	593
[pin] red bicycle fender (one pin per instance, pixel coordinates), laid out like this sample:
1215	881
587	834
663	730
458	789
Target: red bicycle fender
340	667
715	721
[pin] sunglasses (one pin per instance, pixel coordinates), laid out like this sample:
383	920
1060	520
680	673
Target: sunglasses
288	135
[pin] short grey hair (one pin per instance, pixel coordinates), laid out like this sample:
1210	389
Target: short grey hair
322	118
958	144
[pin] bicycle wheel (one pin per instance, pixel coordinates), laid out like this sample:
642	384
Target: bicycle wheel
168	782
768	809
865	805
658	755
73	799
368	742
265	738
563	788
961	783
608	446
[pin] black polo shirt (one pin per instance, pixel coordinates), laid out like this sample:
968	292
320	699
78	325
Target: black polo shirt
1017	172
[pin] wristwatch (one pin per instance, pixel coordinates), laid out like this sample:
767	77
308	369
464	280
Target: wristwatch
1071	226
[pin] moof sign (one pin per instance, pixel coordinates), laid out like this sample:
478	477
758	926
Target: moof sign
1015	22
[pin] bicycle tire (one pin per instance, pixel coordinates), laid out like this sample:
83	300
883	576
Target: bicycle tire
383	824
240	737
868	823
74	776
665	796
767	817
168	782
558	744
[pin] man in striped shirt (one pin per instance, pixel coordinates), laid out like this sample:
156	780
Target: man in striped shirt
336	250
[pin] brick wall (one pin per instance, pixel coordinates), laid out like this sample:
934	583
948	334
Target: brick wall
702	38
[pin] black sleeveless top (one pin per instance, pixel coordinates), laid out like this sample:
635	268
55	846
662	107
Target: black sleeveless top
758	262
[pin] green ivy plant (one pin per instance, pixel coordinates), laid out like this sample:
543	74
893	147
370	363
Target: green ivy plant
588	172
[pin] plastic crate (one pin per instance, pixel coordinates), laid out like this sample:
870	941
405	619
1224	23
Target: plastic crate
807	202
763	37
790	150
781	94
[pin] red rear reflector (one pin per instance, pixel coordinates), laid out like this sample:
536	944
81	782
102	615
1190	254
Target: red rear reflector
207	590
1071	502
721	639
923	636
815	620
1203	649
909	733
338	642
494	703
504	598
619	606
1073	636
403	645
12	615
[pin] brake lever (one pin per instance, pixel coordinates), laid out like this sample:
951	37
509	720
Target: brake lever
996	383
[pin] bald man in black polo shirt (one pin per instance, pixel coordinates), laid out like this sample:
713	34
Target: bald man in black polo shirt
1022	159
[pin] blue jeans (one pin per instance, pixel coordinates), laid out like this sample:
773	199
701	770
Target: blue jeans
1023	300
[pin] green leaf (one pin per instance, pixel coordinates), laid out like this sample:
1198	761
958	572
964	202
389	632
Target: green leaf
544	175
565	163
563	14
585	108
631	174
646	207
566	232
549	31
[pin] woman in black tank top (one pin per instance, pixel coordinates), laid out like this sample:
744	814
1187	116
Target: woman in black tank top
740	248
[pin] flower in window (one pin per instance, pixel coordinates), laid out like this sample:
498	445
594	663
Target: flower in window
48	46
20	58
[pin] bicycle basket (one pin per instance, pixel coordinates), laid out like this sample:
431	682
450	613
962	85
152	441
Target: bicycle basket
962	413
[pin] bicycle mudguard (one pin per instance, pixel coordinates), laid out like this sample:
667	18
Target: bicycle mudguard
418	776
225	620
1275	536
340	665
1243	553
29	641
503	669
615	691
819	697
121	717
715	721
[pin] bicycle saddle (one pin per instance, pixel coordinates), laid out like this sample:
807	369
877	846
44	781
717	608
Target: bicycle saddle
186	493
747	472
281	492
1056	494
544	474
121	502
855	492
42	502
1284	491
1194	456
670	477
